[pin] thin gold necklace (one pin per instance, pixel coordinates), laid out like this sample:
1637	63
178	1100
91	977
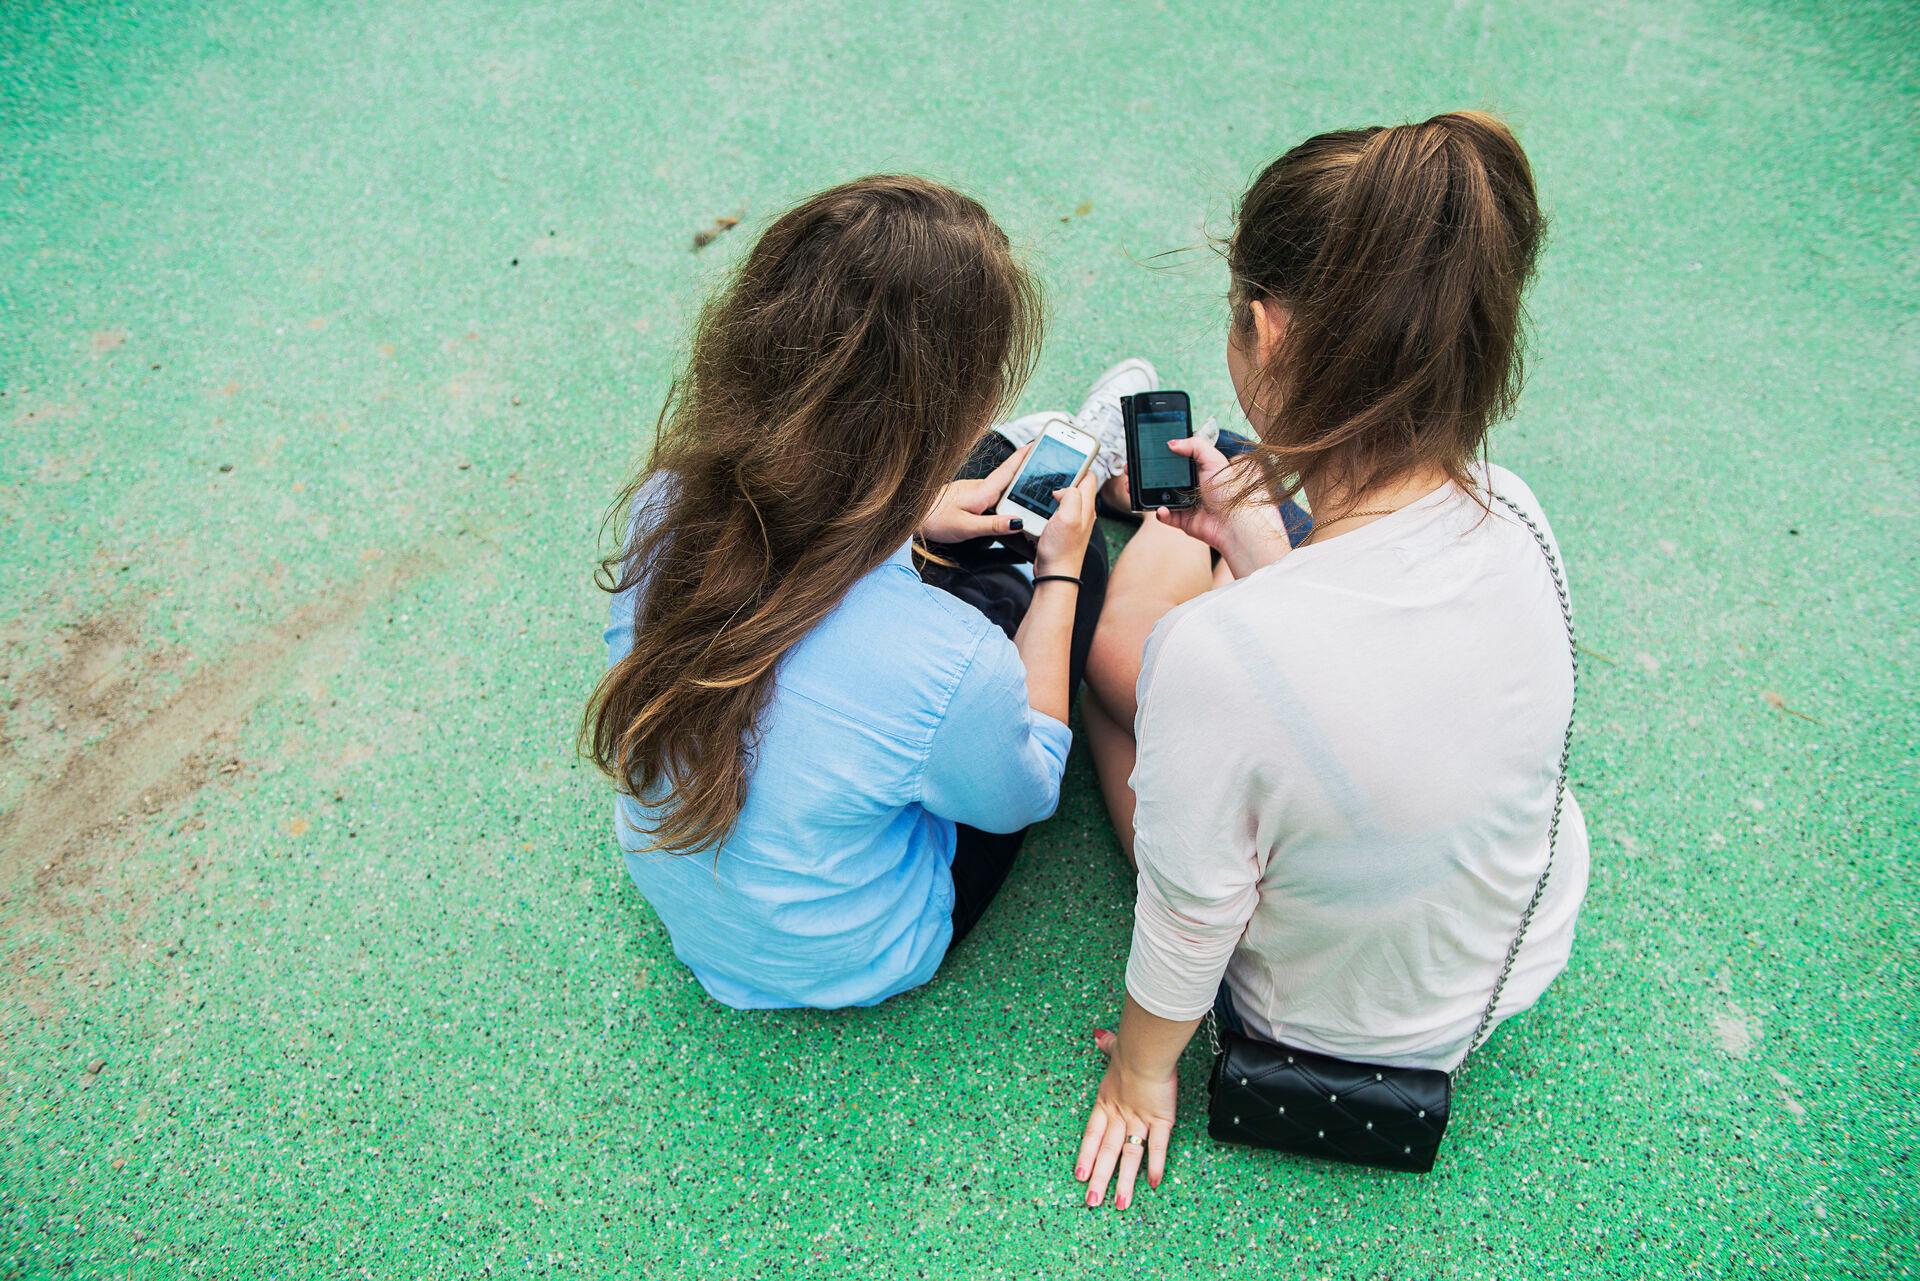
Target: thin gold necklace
1319	525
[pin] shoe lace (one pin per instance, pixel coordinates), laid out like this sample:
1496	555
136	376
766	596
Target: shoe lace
1103	421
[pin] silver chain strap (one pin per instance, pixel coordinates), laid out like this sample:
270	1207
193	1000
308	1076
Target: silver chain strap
1559	785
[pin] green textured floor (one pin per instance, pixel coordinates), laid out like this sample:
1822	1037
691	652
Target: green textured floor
326	330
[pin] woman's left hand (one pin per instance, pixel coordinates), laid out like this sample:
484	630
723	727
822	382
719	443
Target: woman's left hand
962	511
1249	535
1125	1108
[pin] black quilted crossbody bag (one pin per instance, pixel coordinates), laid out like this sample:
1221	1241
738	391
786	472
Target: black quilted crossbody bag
1278	1096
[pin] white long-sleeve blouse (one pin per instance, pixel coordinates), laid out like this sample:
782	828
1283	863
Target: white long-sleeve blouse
1345	776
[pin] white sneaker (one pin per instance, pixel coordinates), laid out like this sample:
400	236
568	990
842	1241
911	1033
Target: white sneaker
1028	427
1099	414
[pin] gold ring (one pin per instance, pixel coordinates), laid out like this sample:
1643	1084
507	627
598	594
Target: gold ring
1136	1141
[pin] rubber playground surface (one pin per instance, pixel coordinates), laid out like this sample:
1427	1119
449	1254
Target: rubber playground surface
327	331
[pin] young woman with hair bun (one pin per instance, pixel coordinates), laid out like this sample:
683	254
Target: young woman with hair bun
1334	764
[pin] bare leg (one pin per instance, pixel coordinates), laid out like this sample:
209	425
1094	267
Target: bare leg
1159	569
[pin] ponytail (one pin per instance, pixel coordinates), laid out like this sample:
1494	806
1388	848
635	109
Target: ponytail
1401	254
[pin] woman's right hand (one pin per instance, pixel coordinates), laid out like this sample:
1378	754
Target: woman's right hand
1126	1108
1250	534
1045	635
1063	543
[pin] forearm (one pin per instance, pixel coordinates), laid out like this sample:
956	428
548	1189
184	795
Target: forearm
1150	1046
1045	642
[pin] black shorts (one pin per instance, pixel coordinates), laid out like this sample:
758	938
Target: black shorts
988	574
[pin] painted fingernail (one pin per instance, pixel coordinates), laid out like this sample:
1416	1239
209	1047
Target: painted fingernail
1120	1202
1152	1182
1093	1198
1013	526
1080	1173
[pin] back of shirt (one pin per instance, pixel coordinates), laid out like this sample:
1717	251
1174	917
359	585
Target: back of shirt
1345	781
901	714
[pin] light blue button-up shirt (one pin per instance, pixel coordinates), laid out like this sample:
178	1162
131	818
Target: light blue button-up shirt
902	714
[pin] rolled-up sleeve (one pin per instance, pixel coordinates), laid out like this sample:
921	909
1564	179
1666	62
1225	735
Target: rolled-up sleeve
994	763
1194	833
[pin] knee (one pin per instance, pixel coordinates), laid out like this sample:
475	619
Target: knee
1113	668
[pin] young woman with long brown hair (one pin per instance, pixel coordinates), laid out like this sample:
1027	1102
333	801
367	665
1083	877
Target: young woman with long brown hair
1336	773
824	764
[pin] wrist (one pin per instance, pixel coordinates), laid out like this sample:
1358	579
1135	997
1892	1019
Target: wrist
1255	537
1134	1078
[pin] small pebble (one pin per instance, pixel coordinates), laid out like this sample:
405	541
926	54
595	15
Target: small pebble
93	1068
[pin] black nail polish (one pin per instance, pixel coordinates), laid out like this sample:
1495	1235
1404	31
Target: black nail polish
1014	525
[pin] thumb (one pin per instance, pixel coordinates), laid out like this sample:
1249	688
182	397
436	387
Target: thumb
1188	520
965	525
1104	1041
1075	512
1077	498
1203	452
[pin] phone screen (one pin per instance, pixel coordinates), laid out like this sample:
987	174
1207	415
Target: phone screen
1160	467
1052	465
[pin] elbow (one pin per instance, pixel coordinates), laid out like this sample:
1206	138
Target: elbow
1031	799
1208	937
1024	813
1043	797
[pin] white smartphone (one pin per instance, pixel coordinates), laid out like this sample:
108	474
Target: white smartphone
1059	458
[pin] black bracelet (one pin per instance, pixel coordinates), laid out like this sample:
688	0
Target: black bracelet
1055	578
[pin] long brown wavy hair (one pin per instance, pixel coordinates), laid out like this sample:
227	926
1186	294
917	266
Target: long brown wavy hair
1402	254
835	383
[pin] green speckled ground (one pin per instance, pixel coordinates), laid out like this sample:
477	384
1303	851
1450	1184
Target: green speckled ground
328	330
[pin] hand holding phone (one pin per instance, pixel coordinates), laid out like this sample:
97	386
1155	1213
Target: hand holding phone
964	509
1248	535
1156	476
1058	460
1062	546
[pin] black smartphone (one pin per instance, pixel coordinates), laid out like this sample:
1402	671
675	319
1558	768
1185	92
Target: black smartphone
1156	476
